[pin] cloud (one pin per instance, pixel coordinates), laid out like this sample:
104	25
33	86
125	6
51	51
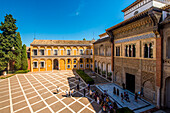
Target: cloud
78	10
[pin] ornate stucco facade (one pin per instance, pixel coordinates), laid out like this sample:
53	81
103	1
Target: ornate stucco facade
138	49
49	55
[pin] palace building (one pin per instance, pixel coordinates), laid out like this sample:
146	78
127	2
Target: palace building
102	56
138	48
49	55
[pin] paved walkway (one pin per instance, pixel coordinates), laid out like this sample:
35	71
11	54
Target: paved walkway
35	93
140	106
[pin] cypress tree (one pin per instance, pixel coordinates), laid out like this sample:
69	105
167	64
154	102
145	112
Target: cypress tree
3	58
18	50
8	36
24	62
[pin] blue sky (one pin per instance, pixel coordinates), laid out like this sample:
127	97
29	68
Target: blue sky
63	19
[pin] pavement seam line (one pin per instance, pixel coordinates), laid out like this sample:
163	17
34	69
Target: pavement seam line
74	98
39	94
57	97
10	97
24	95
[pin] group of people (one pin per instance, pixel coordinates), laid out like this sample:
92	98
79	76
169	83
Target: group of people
104	101
125	95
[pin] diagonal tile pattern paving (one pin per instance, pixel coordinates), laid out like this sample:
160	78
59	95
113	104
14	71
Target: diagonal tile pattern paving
35	93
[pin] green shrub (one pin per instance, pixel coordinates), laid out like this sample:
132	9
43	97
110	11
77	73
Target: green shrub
109	74
103	72
124	110
21	71
85	77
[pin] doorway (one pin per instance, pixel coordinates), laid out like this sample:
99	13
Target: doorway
130	82
168	92
56	64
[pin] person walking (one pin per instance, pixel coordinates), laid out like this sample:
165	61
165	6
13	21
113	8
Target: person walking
122	97
78	86
84	92
136	97
58	88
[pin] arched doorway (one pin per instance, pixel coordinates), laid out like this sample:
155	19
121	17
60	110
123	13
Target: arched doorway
49	65
168	92
62	64
56	67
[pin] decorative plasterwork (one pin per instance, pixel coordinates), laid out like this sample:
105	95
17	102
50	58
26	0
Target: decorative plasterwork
150	35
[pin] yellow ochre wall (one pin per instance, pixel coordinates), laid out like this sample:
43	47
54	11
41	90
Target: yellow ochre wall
48	58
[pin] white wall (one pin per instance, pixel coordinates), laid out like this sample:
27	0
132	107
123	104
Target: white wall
142	6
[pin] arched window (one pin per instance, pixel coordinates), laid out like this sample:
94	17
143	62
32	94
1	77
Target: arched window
146	51
134	51
150	50
168	48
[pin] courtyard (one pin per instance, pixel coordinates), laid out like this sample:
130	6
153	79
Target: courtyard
36	92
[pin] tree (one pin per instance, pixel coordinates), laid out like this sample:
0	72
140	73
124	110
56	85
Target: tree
3	60
7	40
84	38
24	62
18	50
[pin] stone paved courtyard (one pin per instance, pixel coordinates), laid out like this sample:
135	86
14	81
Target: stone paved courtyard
35	93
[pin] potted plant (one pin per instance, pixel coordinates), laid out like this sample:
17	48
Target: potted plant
104	73
109	76
96	70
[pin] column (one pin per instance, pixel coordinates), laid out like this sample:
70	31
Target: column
45	51
59	50
72	51
148	50
38	65
84	63
65	50
45	64
38	50
52	53
78	64
52	65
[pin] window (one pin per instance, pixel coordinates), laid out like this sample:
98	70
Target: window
87	65
35	51
126	51
134	51
55	52
68	66
148	50
75	66
35	64
130	51
28	55
68	52
87	60
117	51
42	52
91	53
91	66
81	65
168	48
81	52
75	60
81	60
68	61
42	64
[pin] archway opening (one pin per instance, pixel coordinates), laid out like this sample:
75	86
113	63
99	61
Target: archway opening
168	92
56	67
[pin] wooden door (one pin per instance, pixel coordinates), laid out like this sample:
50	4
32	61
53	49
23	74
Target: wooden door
62	65
49	65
